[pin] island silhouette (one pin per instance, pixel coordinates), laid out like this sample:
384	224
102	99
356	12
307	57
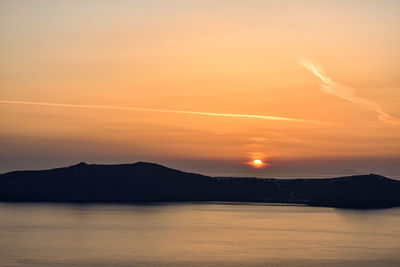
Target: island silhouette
148	182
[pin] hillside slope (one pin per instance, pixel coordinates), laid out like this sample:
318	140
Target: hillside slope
148	182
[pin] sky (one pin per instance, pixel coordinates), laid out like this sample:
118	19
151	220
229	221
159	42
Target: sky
308	87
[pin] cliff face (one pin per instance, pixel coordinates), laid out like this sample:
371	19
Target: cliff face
147	182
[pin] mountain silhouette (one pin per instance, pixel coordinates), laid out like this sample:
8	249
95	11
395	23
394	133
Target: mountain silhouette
149	182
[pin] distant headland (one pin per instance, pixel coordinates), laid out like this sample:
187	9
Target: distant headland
149	182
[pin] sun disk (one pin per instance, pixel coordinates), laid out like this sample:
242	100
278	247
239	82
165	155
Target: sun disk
257	163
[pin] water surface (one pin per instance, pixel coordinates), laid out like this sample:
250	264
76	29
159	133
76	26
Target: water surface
206	234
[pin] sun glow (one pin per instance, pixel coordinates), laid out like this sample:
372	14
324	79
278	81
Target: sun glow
257	163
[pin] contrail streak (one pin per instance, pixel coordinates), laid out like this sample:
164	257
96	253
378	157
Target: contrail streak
330	87
276	118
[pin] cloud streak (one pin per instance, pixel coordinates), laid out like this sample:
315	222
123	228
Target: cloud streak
330	87
126	108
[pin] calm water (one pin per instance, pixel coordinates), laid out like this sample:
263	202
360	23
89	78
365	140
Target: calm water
196	235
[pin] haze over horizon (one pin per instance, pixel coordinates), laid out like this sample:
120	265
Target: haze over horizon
308	87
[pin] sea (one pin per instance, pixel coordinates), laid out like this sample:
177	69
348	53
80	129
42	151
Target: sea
196	234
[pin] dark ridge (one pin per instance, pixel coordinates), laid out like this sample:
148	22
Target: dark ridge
81	164
149	182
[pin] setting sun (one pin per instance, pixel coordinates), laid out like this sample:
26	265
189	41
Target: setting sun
221	133
257	163
163	81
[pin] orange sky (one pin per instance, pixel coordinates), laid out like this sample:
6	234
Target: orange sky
332	65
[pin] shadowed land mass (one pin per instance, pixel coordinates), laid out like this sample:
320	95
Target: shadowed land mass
149	182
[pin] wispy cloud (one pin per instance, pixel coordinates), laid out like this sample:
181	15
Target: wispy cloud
330	87
63	105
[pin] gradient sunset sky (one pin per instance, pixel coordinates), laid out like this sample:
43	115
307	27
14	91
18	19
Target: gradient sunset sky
308	87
